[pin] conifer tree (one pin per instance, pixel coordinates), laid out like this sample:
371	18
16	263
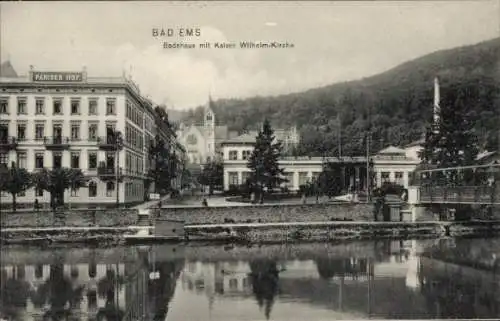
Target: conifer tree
263	162
453	141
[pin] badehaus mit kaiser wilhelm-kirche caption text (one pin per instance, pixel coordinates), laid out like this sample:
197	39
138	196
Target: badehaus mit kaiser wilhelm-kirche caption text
229	45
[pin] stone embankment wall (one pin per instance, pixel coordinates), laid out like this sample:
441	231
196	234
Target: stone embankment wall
309	232
270	213
70	218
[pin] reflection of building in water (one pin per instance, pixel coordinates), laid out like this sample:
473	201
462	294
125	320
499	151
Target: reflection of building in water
138	289
90	277
221	278
412	263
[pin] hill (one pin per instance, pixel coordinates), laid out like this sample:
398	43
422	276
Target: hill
398	102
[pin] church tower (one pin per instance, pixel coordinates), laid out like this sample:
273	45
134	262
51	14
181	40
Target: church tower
209	129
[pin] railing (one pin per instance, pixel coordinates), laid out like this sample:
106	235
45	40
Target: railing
460	194
56	141
8	143
106	171
110	142
472	184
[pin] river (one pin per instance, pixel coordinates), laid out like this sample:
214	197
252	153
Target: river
385	279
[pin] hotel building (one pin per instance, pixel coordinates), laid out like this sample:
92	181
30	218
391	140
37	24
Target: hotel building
67	119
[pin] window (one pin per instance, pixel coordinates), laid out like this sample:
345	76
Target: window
233	178
57	131
74	272
39	160
56	160
302	178
57	106
4	158
110	106
39	131
21	272
93	106
92	299
39	271
92	157
74	193
21	132
110	187
40	106
92	192
233	155
4	106
385	177
75	106
246	154
4	131
39	192
128	110
75	132
399	178
21	159
233	283
75	160
289	178
21	106
244	177
92	132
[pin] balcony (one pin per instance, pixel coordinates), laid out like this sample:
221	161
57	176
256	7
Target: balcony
108	173
56	142
8	143
109	143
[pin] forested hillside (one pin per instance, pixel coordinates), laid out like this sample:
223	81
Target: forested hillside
398	102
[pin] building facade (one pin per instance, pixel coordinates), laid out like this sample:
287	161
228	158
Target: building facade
389	165
67	119
202	142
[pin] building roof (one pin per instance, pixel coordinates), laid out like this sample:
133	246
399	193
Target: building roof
391	150
418	142
7	70
484	154
242	139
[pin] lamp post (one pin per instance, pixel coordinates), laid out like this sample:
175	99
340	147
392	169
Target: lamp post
118	146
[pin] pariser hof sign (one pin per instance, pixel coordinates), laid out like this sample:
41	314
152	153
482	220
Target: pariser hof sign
58	76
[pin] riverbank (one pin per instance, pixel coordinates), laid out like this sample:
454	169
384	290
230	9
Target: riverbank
258	233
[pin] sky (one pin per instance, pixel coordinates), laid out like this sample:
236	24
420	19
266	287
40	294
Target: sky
333	42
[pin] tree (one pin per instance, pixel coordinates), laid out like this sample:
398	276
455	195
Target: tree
453	141
57	181
263	162
264	277
15	180
212	175
163	163
59	292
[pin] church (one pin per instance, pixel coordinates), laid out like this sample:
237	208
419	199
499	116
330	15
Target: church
203	141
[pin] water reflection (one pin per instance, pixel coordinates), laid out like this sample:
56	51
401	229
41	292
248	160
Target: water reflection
359	280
